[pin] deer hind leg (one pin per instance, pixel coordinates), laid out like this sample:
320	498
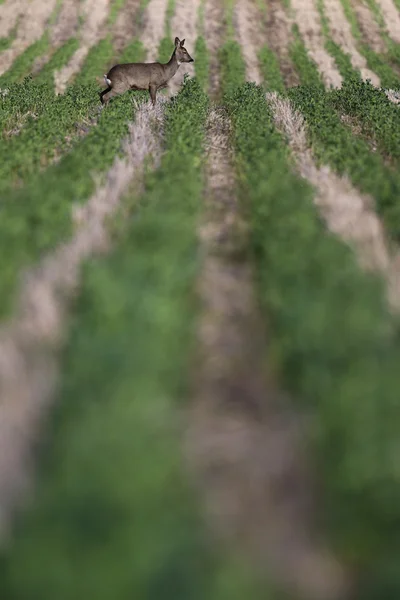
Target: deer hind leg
108	94
153	94
103	93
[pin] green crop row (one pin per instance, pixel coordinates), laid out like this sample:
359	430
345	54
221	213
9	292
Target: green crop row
270	69
37	216
22	65
376	62
305	66
335	144
43	138
333	345
20	100
97	62
114	516
378	117
60	58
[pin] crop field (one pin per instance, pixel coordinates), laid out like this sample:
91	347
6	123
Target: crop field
199	302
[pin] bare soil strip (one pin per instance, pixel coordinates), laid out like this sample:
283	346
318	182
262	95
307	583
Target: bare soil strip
67	23
392	18
250	36
9	14
154	27
184	25
244	442
31	26
347	213
278	38
369	27
341	34
126	25
214	29
30	342
309	22
94	13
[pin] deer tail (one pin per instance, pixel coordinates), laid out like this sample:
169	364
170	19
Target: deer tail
108	81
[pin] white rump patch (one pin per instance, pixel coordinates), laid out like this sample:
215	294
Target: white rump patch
108	81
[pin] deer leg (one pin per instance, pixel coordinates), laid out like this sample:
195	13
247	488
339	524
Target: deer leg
108	95
103	94
153	94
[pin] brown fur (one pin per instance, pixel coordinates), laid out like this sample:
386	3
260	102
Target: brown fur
144	76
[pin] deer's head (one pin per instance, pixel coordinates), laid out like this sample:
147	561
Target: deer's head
182	55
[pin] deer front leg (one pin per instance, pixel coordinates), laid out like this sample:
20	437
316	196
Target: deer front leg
153	94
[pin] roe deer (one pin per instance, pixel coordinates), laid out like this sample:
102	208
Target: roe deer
144	76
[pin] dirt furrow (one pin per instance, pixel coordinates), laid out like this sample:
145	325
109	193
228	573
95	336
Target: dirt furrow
9	14
347	213
309	22
392	18
244	443
184	25
31	26
126	25
279	37
30	342
250	36
67	23
154	27
369	27
214	28
94	14
341	34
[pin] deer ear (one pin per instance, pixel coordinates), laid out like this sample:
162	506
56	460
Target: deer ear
182	43
177	41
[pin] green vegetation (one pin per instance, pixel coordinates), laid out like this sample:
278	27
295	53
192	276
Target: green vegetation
332	344
202	62
305	66
60	58
21	102
44	138
28	228
334	144
376	62
269	64
97	62
378	117
22	65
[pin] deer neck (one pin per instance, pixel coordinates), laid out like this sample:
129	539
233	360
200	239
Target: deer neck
172	66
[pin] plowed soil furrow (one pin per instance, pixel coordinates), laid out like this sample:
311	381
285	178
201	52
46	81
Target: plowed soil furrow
369	27
30	342
244	442
184	25
154	27
347	212
341	34
309	22
126	25
94	14
67	23
250	35
214	28
31	26
9	14
392	18
278	38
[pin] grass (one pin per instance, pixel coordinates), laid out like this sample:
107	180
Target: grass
23	64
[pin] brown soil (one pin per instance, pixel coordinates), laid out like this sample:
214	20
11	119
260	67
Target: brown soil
369	27
214	30
309	22
9	14
67	24
154	27
347	213
391	17
278	38
31	340
249	31
94	13
341	34
244	442
184	26
126	25
31	26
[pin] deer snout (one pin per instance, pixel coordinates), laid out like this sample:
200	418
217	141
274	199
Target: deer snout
191	59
